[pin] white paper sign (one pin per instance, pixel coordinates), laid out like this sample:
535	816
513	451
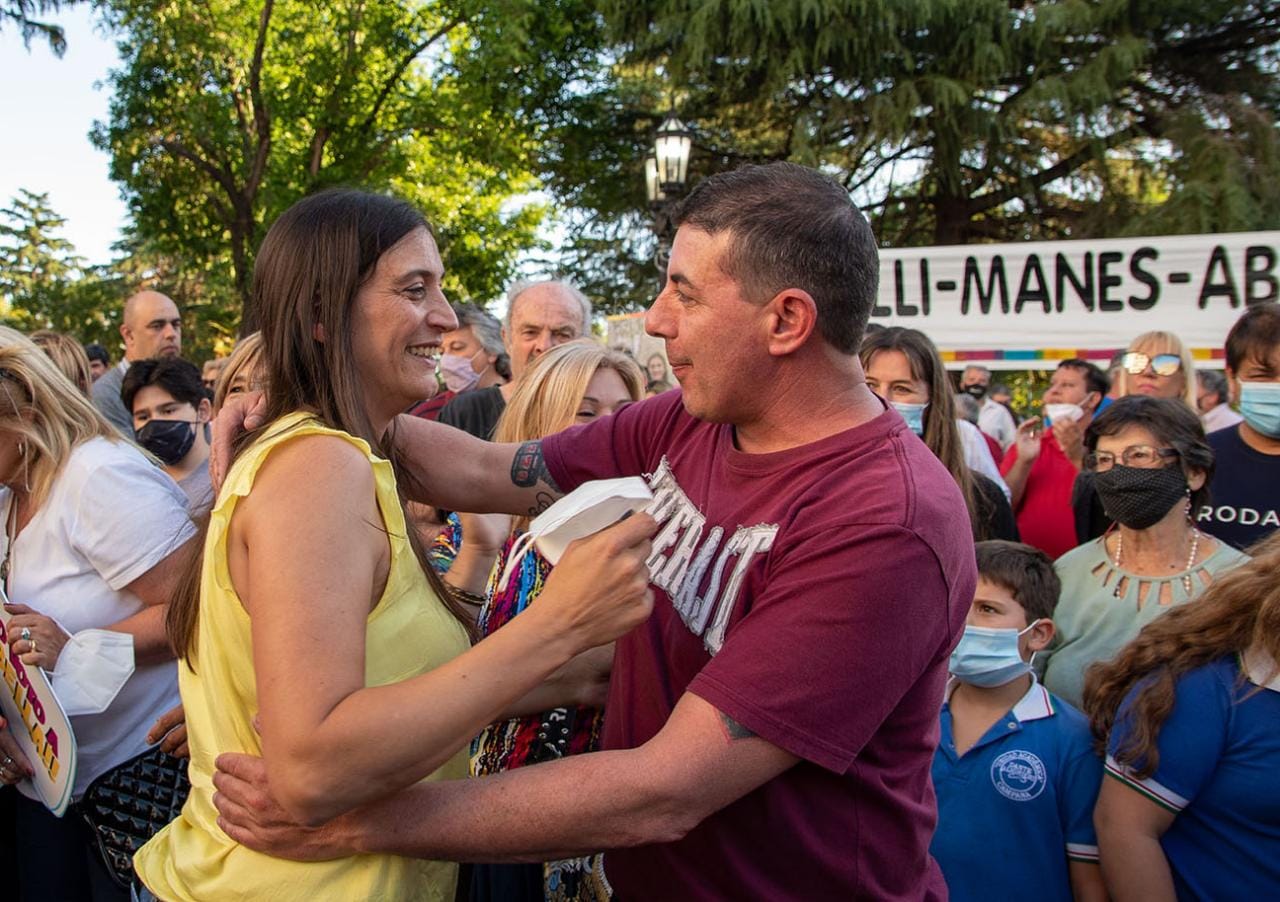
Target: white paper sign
36	720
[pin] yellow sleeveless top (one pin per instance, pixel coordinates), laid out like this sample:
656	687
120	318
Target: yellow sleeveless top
409	632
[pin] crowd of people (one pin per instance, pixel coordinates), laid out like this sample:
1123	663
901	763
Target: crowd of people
875	624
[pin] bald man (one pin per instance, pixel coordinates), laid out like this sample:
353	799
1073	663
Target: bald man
152	327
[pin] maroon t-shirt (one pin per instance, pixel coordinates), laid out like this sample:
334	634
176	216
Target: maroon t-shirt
813	595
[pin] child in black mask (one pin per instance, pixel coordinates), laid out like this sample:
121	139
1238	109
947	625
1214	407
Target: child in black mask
171	415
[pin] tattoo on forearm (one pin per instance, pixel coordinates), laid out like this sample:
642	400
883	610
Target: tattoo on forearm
528	468
733	729
545	500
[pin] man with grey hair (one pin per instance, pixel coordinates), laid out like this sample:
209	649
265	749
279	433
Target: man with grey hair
540	315
152	327
993	419
1211	399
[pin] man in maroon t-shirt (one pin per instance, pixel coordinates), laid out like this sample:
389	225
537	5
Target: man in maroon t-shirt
769	730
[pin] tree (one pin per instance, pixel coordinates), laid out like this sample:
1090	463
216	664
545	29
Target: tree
44	284
227	111
955	121
22	13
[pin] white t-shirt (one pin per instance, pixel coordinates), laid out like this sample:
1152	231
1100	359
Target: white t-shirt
109	518
996	422
977	455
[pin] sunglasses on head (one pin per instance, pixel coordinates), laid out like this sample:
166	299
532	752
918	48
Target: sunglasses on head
1136	363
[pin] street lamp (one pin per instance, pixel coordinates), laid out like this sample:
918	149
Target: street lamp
666	174
672	144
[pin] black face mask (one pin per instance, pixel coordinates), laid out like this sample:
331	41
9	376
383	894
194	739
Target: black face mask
1137	497
169	440
977	391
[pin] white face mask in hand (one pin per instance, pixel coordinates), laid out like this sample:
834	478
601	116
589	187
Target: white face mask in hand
589	508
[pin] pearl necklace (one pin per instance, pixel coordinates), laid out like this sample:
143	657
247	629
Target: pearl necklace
1191	559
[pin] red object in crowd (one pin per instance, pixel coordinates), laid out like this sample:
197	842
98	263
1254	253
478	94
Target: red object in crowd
430	408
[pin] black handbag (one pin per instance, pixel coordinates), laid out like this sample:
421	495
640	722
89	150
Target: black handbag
130	803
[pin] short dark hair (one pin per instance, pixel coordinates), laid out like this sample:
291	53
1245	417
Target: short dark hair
1094	378
180	378
1255	334
793	227
95	351
1171	422
1025	571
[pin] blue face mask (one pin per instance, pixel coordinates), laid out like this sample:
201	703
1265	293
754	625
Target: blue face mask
913	414
1260	406
989	657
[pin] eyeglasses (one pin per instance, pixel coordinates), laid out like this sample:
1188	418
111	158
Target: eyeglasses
1140	456
1136	363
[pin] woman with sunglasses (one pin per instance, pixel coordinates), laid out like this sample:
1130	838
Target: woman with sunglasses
1151	465
1155	365
1158	365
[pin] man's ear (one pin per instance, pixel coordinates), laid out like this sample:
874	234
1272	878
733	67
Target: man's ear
1233	387
1092	407
204	411
792	317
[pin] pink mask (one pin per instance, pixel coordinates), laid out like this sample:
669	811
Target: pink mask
459	374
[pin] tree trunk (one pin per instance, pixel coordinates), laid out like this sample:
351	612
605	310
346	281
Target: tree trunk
951	221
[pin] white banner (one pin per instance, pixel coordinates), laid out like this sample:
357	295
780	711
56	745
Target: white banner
1026	306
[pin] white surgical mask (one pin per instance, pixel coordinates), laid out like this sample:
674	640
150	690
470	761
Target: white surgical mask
92	668
589	508
989	657
1067	413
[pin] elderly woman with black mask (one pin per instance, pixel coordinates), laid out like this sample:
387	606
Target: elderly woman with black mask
1151	467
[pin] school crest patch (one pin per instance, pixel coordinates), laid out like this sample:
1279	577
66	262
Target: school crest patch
1018	775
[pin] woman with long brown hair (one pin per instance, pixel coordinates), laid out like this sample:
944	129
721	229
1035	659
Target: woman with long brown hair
903	367
1189	716
314	614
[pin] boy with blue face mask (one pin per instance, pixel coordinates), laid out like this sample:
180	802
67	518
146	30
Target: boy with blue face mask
1245	491
1015	769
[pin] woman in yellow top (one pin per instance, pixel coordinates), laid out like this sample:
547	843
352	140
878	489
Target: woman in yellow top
314	635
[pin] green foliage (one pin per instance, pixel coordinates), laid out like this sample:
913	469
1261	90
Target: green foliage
1027	388
226	112
953	121
43	283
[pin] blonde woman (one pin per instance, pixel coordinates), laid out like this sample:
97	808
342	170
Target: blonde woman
1158	365
243	371
573	383
95	540
68	356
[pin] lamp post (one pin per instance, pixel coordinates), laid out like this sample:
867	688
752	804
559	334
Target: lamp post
666	174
